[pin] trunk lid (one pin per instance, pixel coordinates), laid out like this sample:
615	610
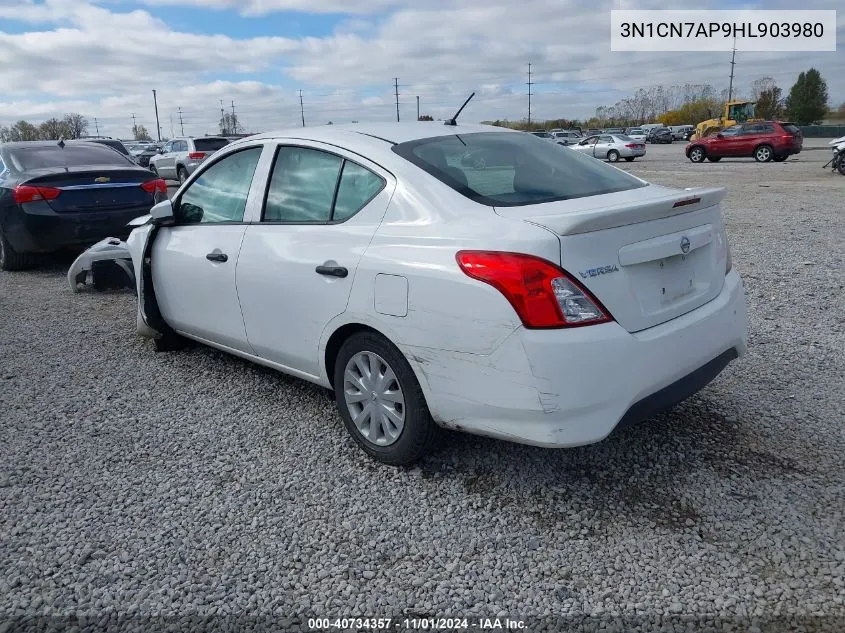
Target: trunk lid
649	255
94	188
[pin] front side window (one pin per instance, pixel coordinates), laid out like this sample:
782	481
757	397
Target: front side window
732	131
313	186
537	171
605	139
219	194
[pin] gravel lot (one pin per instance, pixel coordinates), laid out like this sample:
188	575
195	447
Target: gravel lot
196	484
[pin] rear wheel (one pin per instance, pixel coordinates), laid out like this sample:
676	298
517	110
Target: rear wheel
629	158
715	159
697	154
380	400
779	158
613	156
182	174
841	166
763	154
10	259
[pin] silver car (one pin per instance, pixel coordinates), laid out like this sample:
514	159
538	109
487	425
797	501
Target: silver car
611	147
566	137
181	156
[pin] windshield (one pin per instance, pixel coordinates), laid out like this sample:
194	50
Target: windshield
210	144
522	170
39	157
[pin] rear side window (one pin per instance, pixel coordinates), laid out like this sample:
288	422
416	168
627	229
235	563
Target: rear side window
39	157
789	128
116	145
209	144
535	171
312	186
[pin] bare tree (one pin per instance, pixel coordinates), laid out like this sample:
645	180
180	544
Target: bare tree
76	125
52	130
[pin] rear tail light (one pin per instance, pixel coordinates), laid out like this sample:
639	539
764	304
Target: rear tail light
30	193
631	145
543	295
151	186
196	155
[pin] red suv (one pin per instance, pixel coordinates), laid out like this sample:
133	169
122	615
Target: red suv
764	140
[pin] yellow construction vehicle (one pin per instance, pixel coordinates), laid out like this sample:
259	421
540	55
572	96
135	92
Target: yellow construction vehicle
735	112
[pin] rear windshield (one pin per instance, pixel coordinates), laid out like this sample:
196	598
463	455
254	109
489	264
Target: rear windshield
510	169
792	129
210	144
26	158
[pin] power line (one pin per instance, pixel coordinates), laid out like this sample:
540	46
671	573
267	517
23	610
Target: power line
396	90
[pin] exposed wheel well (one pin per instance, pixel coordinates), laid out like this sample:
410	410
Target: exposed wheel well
336	342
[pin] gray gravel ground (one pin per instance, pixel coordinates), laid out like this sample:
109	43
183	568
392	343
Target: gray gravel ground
195	483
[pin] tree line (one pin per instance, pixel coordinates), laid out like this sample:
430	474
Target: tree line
70	126
689	104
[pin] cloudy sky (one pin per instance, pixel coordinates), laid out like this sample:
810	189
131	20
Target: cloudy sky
103	58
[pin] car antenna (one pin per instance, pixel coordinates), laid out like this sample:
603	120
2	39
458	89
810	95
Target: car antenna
454	119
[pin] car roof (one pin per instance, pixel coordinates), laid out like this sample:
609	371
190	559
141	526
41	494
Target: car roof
392	133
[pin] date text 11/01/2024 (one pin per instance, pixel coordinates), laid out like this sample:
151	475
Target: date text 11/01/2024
416	624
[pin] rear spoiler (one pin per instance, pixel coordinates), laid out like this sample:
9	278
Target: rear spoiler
586	220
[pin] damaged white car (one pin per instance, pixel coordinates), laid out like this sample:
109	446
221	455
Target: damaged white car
539	296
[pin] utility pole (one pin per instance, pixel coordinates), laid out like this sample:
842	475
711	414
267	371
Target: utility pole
234	120
96	126
529	94
396	89
181	125
418	107
158	125
733	63
301	109
134	125
223	128
171	125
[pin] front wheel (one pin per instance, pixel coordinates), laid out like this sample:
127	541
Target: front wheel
613	156
840	167
763	154
697	154
380	400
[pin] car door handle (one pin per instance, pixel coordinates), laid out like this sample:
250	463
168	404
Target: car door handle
332	271
217	256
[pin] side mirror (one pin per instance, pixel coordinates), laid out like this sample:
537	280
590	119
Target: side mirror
162	214
160	150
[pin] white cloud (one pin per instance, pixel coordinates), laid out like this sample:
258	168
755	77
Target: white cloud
97	59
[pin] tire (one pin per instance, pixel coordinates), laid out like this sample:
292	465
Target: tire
170	342
697	154
360	356
10	259
779	158
613	156
763	154
629	158
841	166
181	175
714	159
153	169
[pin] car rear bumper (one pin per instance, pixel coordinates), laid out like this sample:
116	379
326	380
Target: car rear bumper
560	388
46	231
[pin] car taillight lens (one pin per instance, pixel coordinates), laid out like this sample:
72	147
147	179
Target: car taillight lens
543	295
151	186
196	155
29	193
631	145
728	259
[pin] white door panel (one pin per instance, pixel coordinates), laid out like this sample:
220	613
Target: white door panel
197	295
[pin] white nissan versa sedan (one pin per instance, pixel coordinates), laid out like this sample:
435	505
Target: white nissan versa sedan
538	295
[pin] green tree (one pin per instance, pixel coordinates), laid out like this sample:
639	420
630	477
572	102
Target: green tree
807	100
769	104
